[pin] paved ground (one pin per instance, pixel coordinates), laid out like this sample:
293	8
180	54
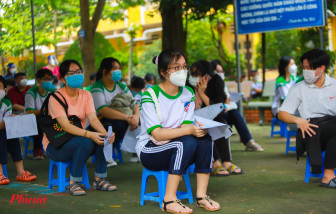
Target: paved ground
272	183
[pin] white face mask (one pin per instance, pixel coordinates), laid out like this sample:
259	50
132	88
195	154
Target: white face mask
309	76
193	80
2	94
23	82
293	69
222	75
179	77
12	71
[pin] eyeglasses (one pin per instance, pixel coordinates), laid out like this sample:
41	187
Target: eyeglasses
78	71
177	68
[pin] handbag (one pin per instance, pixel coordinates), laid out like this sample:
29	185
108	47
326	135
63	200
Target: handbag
53	130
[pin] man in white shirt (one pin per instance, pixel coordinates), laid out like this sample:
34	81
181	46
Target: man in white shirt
315	99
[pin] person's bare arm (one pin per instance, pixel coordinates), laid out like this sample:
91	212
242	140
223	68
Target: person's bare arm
36	112
113	114
74	130
18	107
161	134
303	124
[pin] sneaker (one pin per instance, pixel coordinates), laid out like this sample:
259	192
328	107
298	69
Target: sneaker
134	159
38	154
111	163
26	176
253	146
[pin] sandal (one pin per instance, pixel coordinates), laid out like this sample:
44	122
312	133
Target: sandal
4	180
164	208
205	207
232	170
331	184
75	189
26	176
253	146
216	171
103	185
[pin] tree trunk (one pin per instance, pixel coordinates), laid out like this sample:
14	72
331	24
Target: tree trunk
173	32
86	37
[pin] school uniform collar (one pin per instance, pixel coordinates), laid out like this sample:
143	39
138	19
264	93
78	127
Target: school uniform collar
327	82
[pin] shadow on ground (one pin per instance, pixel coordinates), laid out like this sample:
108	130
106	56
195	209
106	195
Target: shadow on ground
273	183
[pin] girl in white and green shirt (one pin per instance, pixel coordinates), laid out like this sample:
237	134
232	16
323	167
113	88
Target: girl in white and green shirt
171	140
106	87
284	82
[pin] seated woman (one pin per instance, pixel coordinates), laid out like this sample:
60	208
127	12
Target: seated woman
85	143
209	89
283	83
172	142
232	115
107	86
12	145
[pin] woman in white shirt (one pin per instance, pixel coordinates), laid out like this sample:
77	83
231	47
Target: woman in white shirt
171	140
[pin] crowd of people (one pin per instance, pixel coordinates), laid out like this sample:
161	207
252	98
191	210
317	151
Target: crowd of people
170	137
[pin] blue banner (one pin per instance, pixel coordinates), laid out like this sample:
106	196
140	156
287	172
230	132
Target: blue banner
269	15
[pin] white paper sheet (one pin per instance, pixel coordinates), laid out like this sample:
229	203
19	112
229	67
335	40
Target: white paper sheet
130	140
21	126
210	112
235	97
108	146
215	129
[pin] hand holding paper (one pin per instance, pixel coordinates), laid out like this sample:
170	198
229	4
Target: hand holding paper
107	145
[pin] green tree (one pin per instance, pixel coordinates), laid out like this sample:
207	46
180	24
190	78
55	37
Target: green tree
145	59
176	14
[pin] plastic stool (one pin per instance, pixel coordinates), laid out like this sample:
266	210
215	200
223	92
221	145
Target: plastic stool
283	128
61	181
27	141
288	147
93	159
117	155
309	174
162	177
4	169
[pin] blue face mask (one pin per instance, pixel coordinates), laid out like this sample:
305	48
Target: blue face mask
47	85
54	87
116	75
149	86
75	81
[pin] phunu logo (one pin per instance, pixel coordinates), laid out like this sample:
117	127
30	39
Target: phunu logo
26	199
186	106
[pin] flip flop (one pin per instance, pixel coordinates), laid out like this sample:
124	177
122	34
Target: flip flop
232	169
218	169
331	184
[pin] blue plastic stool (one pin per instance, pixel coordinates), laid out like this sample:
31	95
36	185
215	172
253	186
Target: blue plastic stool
61	181
4	169
288	147
93	159
309	174
117	155
27	141
283	128
162	177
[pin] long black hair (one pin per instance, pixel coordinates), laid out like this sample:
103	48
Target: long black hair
283	63
215	87
165	58
106	64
